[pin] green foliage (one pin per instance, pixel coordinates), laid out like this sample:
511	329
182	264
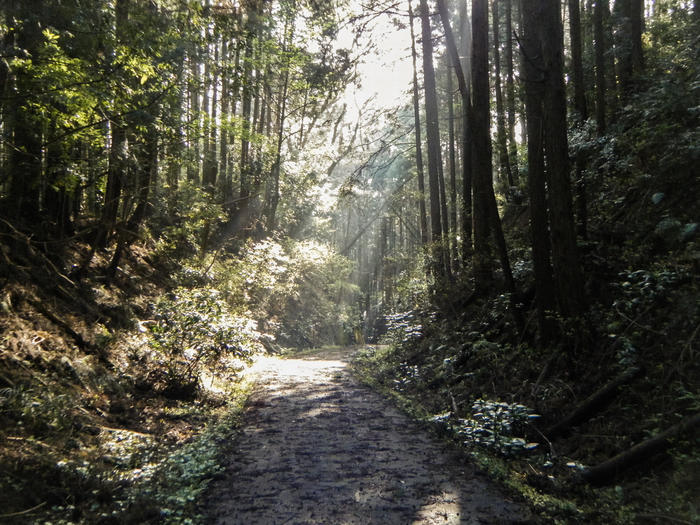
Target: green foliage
642	289
184	476
195	329
188	223
37	411
299	291
148	481
403	327
493	425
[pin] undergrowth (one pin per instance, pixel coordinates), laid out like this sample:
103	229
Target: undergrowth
117	400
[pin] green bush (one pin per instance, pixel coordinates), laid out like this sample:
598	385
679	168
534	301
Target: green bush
299	291
493	425
195	329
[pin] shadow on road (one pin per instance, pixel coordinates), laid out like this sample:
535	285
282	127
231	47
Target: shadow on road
318	448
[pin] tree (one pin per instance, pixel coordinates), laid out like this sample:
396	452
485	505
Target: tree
561	219
501	140
433	137
452	164
481	147
546	117
463	82
423	221
510	92
601	46
118	147
24	125
534	88
628	42
580	108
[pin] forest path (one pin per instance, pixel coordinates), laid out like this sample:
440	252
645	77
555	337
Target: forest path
316	447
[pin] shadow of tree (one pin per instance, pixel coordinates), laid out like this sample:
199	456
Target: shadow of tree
317	447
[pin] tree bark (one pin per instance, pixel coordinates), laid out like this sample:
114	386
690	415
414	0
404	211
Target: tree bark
447	258
593	403
273	192
577	61
607	471
433	136
502	147
209	171
207	122
452	166
194	130
223	175
481	147
424	233
510	94
467	117
567	272
581	109
539	228
601	45
246	108
24	166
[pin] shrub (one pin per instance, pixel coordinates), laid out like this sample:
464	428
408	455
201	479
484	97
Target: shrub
195	329
493	425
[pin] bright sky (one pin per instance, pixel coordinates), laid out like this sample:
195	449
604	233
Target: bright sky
387	72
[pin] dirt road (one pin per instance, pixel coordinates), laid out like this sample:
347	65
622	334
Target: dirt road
318	448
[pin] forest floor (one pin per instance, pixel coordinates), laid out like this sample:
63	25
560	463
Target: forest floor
316	446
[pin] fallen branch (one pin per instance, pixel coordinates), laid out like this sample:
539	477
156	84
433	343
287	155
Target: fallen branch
593	403
606	471
23	512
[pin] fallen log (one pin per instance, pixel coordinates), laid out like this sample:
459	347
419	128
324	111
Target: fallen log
606	471
593	403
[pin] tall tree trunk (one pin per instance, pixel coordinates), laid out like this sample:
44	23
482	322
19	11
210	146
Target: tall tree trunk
502	147
207	122
419	145
273	192
209	171
463	81
567	270
58	198
628	44
25	157
452	165
539	228
601	46
510	94
636	30
481	147
433	136
223	174
148	169
487	223
444	220
229	194
612	74
194	130
247	98
577	60
117	166
581	109
521	67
